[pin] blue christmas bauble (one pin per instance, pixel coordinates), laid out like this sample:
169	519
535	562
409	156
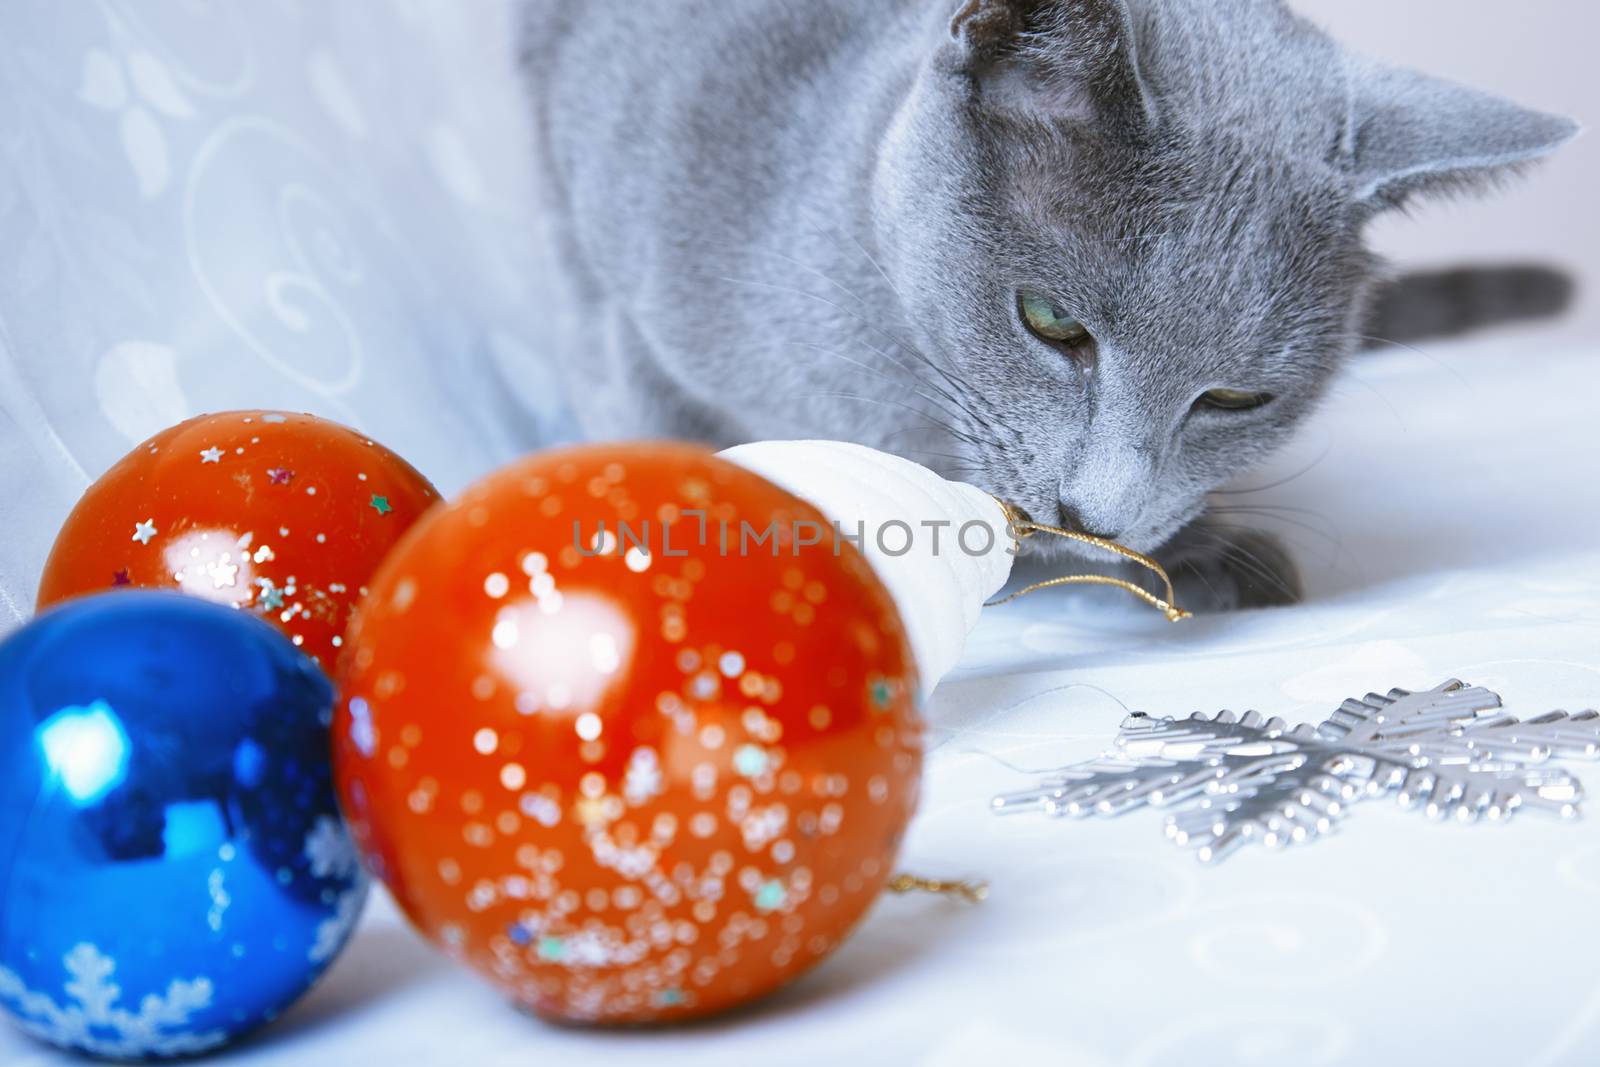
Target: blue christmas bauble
173	866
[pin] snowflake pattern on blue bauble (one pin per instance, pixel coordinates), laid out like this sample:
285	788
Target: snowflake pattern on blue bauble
92	1021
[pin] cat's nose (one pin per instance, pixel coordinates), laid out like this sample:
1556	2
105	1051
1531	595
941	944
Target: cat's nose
1072	520
1104	491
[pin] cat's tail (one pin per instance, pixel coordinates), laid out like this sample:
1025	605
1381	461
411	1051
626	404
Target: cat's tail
1447	303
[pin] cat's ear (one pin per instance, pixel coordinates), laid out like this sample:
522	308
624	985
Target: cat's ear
1073	58
1411	134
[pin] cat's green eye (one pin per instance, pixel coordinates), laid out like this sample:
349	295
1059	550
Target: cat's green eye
1234	400
1048	320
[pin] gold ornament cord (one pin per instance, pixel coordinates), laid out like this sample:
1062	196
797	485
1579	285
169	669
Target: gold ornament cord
970	892
1022	527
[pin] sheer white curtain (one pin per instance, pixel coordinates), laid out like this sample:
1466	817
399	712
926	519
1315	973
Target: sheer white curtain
304	205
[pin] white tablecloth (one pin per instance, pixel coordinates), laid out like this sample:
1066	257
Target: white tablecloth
1445	510
1449	530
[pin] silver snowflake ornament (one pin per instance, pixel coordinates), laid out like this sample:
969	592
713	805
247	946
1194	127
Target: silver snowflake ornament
1231	780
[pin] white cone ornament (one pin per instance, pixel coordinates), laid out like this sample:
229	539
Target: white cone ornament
942	548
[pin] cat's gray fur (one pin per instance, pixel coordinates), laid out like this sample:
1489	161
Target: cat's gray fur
810	218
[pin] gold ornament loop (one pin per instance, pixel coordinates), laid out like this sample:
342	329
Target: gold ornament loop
1021	527
906	882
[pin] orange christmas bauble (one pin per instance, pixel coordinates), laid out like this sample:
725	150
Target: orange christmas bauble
608	748
283	515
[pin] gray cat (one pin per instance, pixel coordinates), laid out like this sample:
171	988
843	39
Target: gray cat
1098	257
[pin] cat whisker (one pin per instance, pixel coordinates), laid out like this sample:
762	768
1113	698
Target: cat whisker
993	416
905	431
813	271
1199	574
1242	557
946	463
940	455
911	349
877	373
1327	553
880	402
1399	418
878	267
1138	237
1429	356
874	327
820	275
964	410
1281	482
1328	532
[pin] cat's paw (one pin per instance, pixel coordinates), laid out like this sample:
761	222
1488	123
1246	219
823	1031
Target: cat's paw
1217	569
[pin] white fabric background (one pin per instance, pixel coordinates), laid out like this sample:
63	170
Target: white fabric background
165	169
321	207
